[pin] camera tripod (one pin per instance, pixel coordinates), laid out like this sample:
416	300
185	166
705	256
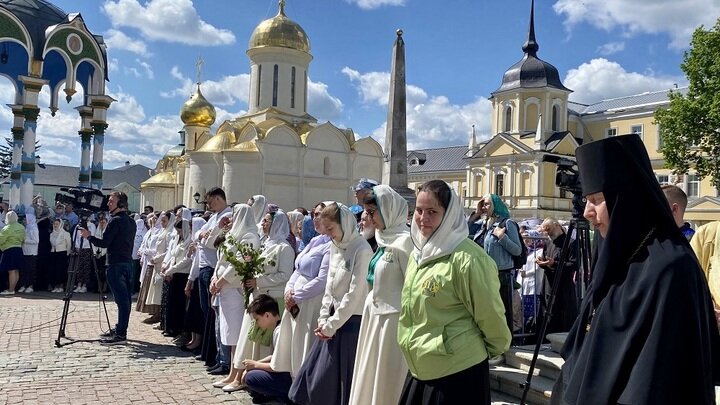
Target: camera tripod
582	228
73	264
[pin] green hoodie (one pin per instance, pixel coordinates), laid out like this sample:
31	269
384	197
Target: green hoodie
452	317
11	235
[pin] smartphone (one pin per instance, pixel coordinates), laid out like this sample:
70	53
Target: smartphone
294	310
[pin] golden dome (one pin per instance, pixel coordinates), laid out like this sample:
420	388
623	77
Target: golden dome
280	31
197	111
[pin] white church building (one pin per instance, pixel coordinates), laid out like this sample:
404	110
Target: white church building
276	149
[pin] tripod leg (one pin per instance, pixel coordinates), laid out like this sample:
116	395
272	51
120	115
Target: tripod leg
69	285
103	297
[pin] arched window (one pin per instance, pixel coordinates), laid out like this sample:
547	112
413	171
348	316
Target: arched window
305	84
555	114
257	88
275	85
292	88
508	119
326	166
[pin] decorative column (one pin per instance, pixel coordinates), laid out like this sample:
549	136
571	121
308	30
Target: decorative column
31	91
100	105
18	131
85	133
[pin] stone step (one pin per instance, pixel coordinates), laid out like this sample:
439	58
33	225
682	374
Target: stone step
548	362
557	340
509	381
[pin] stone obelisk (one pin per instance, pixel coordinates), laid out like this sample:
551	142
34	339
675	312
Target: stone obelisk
395	162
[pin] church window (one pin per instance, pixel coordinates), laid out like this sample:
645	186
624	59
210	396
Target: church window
275	85
499	183
610	132
292	88
693	186
663	179
326	166
555	114
257	88
305	84
508	119
637	129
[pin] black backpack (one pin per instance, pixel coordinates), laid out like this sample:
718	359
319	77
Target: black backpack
520	260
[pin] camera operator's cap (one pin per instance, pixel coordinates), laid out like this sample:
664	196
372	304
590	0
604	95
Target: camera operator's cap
601	163
365	184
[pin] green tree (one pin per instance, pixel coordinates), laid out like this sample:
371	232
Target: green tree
690	126
6	152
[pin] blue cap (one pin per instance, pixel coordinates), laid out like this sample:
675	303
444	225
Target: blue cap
355	209
365	184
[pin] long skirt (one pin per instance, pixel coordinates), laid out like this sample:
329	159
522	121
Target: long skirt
176	303
164	305
296	336
194	320
58	270
154	296
231	313
456	388
85	266
380	367
326	374
142	296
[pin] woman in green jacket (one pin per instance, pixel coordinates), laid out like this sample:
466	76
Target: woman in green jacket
12	236
452	317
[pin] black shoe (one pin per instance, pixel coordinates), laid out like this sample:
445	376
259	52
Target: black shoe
170	334
260	398
222	370
108	334
115	340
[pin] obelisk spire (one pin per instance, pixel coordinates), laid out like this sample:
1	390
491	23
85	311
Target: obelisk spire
395	166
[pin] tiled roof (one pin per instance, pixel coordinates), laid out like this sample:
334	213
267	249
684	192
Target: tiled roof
67	176
440	159
621	103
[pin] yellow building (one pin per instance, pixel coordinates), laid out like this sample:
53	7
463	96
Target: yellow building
533	119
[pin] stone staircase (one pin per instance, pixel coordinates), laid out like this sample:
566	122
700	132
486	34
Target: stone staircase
508	379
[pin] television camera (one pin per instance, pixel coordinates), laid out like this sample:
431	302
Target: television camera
85	201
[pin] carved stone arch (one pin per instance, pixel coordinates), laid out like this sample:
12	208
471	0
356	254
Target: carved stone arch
368	146
531	112
282	135
327	137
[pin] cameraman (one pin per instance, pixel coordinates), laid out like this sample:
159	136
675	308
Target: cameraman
118	239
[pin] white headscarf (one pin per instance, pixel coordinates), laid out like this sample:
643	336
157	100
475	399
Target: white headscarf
140	229
185	213
244	228
197	223
393	209
279	230
351	241
11	217
452	230
258	208
295	219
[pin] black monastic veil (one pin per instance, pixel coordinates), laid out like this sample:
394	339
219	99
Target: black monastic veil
646	333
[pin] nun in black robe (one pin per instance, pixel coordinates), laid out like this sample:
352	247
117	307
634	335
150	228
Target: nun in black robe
646	333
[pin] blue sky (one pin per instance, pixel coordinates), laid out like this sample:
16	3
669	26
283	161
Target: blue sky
456	54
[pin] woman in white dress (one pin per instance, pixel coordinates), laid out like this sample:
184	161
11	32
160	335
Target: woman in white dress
163	240
380	368
251	343
227	285
303	299
146	253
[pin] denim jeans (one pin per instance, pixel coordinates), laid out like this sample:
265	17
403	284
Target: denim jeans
204	289
119	280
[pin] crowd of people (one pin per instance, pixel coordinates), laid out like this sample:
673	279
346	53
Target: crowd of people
370	305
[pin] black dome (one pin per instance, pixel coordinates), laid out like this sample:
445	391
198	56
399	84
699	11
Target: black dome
531	71
37	16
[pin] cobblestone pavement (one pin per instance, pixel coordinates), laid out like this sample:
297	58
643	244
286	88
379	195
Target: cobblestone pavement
149	369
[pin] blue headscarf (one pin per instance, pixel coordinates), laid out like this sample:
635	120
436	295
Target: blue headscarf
500	210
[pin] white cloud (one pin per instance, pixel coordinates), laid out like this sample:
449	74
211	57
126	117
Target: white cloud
166	20
432	121
601	79
321	103
611	48
676	18
148	69
113	65
373	4
118	40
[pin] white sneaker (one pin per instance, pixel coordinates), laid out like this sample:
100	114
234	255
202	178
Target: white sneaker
83	289
77	289
21	290
29	290
7	292
57	290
